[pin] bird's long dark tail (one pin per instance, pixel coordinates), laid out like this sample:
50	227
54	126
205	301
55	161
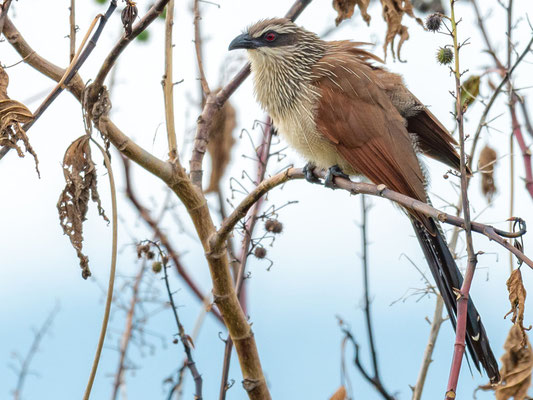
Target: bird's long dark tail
447	277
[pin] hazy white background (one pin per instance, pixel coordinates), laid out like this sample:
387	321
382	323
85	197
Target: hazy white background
317	270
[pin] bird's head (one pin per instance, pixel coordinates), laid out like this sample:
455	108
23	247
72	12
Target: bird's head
276	38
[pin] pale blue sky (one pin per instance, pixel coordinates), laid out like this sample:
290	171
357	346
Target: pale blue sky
317	271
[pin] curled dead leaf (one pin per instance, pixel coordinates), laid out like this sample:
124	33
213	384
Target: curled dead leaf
517	298
81	185
345	9
221	142
487	162
12	115
517	365
340	394
393	12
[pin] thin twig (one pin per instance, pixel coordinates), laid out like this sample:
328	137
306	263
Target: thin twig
168	84
112	271
3	14
373	379
26	362
462	301
198	47
72	35
483	119
195	332
368	319
428	352
126	336
268	184
375	382
185	339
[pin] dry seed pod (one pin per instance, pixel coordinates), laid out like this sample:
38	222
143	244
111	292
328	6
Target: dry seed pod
486	164
128	16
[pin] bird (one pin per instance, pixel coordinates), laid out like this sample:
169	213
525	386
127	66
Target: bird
336	105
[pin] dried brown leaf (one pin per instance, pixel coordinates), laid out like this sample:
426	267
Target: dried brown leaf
340	394
221	142
345	9
81	185
393	12
190	340
12	115
486	164
517	298
517	365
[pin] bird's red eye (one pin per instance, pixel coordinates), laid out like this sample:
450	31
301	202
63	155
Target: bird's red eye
270	37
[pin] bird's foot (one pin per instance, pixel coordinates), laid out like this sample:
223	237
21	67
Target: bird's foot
332	173
308	173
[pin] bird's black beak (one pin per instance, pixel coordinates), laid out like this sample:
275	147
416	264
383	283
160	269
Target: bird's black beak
243	41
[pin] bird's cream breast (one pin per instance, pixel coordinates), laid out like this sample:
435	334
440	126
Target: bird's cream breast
298	128
292	110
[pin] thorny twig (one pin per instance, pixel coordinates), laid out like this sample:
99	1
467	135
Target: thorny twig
25	363
268	184
186	340
462	301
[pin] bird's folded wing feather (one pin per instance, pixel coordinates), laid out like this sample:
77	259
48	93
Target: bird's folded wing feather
356	115
434	139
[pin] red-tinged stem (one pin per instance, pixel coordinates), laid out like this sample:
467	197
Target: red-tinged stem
526	152
462	302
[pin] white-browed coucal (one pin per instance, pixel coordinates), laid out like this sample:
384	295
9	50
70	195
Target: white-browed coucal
334	103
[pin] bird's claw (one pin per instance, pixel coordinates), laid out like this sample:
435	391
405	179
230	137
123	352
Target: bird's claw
331	174
308	173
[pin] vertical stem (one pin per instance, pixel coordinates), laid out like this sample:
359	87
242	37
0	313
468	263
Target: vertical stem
126	336
168	84
511	108
112	270
462	302
368	319
72	35
511	192
433	334
198	46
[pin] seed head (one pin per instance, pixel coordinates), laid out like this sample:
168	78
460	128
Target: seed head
260	252
157	266
434	22
445	55
274	226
